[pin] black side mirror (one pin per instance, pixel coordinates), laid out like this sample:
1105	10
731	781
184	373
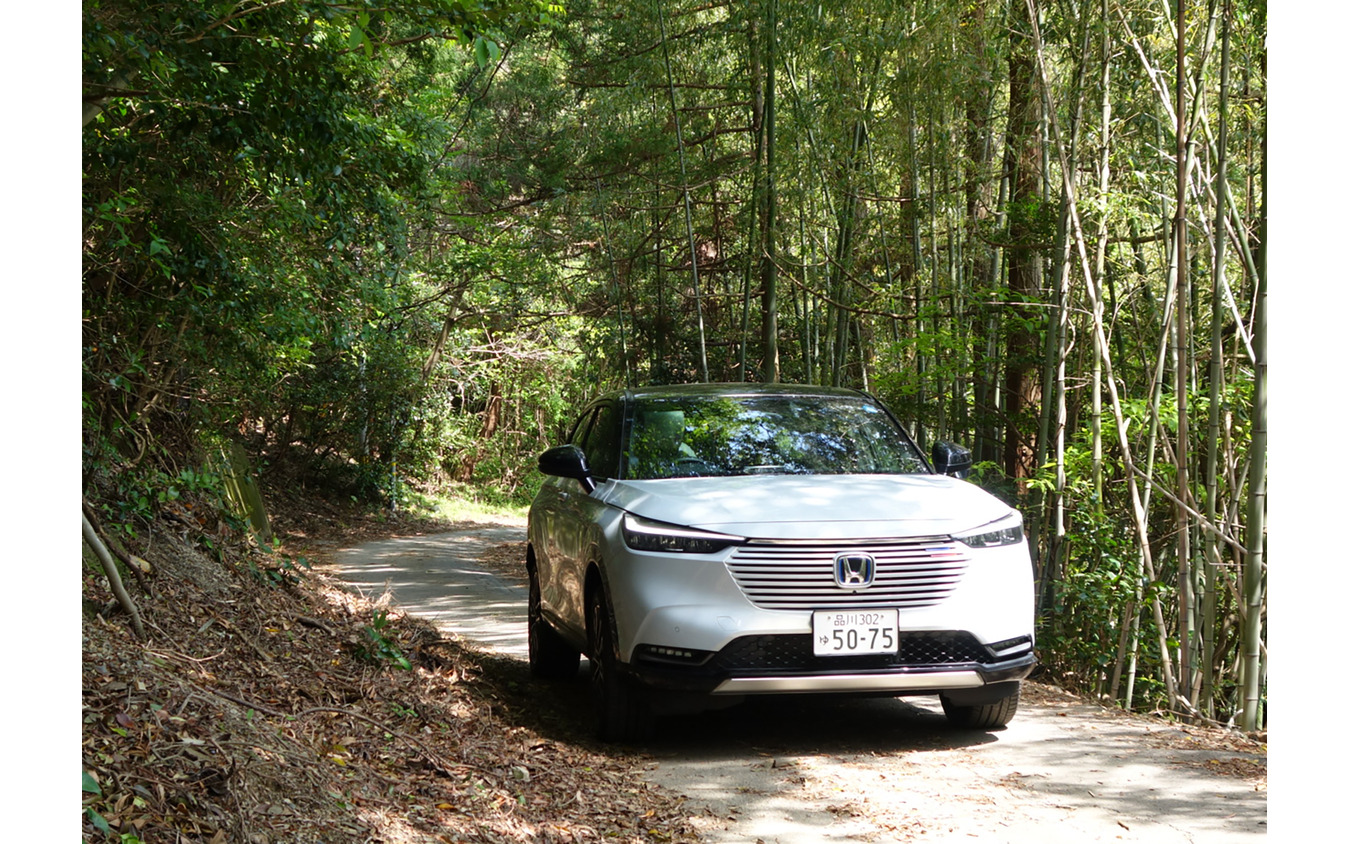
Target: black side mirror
567	461
952	459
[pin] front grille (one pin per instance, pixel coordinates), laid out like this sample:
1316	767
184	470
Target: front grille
909	574
793	653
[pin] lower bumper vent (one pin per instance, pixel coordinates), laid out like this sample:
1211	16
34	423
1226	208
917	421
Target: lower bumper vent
791	653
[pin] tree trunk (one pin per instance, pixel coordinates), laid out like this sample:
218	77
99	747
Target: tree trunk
1217	409
684	185
752	245
1099	268
769	272
1022	161
1185	593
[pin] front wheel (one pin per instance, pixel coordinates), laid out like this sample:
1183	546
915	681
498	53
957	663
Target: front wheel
982	716
622	711
550	656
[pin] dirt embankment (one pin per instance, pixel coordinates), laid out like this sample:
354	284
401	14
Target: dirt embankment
270	705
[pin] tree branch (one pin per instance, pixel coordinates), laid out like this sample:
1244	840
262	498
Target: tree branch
114	578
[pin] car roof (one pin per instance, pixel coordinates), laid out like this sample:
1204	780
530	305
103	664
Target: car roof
720	389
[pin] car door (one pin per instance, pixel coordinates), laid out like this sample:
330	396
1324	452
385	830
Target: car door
554	534
579	512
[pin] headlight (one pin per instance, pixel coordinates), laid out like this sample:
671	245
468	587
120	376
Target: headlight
645	535
1005	531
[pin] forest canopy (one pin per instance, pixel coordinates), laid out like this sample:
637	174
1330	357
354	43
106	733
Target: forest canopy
386	248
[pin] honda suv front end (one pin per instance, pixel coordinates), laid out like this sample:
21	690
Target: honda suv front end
713	541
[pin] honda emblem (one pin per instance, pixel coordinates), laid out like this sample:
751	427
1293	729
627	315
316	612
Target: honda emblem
854	571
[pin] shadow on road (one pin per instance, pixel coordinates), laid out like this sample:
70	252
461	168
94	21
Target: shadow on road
783	725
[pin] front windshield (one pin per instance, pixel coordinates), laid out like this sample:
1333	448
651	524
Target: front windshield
683	436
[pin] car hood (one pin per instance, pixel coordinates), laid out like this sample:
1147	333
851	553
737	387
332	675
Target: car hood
811	506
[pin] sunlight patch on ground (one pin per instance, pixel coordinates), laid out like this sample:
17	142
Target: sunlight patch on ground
459	509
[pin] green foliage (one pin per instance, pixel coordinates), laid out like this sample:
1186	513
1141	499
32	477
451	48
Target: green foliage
251	210
93	799
131	496
276	569
990	477
1031	223
240	146
99	822
380	645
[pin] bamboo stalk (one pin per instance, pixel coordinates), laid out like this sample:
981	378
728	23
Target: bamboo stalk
684	186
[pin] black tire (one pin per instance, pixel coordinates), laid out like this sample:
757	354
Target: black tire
551	658
621	710
982	716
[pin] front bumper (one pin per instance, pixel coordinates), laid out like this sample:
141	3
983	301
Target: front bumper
701	624
928	662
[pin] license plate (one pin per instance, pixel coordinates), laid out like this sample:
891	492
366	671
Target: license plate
851	632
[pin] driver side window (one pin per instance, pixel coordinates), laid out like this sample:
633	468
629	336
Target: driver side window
602	443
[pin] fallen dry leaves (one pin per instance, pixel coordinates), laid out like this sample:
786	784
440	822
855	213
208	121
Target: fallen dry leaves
263	710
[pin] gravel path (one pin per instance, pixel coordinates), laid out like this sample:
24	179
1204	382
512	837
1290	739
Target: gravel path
805	770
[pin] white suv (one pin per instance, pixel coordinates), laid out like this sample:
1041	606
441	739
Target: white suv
705	542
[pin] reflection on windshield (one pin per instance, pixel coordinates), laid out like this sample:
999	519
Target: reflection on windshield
683	437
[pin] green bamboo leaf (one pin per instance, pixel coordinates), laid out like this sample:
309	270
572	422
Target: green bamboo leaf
99	823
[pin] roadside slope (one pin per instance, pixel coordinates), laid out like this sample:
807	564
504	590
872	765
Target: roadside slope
269	705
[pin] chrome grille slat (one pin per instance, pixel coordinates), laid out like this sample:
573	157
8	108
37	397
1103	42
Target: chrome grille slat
909	574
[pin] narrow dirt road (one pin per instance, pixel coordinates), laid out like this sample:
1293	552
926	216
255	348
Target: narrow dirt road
806	770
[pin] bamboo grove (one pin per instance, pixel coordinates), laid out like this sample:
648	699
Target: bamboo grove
395	243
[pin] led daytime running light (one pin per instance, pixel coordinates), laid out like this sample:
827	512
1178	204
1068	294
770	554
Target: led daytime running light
1006	531
645	535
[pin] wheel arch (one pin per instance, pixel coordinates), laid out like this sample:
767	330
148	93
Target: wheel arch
596	584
